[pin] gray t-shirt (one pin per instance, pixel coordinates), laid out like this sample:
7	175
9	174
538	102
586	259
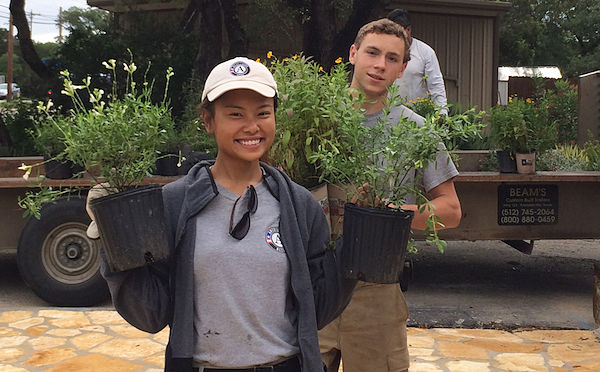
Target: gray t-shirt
437	172
244	314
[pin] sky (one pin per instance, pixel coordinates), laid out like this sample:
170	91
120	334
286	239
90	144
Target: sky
44	14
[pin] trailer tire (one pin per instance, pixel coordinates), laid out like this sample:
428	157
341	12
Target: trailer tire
57	260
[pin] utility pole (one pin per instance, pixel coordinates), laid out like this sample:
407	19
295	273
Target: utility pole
31	21
60	22
9	66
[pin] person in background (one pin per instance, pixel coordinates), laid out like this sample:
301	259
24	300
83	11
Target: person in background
422	77
370	335
252	274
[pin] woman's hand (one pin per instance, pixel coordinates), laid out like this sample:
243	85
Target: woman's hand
98	191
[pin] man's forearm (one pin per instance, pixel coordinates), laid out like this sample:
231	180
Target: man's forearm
446	209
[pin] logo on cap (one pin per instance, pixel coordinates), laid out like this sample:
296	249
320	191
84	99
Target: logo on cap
239	69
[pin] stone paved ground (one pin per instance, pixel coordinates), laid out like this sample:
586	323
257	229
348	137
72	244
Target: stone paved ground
68	341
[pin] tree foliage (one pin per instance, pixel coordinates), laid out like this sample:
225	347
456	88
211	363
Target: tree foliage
565	33
90	20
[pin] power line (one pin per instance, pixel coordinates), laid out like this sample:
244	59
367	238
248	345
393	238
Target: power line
29	13
44	16
34	22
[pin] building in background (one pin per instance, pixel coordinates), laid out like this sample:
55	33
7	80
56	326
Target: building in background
506	73
464	34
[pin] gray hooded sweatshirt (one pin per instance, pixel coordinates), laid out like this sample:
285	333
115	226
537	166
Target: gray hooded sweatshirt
161	294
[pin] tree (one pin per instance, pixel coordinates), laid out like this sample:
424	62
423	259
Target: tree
552	32
3	39
30	56
89	20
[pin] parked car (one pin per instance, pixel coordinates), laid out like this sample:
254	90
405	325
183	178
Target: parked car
16	91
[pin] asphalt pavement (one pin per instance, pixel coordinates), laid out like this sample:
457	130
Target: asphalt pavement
488	284
479	307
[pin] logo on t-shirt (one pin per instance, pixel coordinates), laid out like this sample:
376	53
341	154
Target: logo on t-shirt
274	239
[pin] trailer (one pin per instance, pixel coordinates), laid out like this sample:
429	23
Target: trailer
55	257
61	264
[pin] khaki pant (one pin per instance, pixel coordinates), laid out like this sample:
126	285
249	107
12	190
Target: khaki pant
370	333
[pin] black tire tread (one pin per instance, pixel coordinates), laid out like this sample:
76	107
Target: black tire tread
88	293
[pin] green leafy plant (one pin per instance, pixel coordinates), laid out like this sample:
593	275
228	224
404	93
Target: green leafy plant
33	201
194	135
457	116
116	136
562	158
383	156
313	104
48	135
522	126
489	163
20	117
423	106
192	129
120	136
561	105
592	152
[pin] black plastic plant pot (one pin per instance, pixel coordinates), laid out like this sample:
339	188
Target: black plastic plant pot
375	243
132	227
60	169
167	165
506	162
191	159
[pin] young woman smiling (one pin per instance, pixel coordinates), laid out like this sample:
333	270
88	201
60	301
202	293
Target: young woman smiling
252	274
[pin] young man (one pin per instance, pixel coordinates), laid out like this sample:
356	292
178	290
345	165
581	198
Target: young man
371	332
422	76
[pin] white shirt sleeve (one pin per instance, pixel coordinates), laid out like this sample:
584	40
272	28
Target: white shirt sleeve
423	75
435	80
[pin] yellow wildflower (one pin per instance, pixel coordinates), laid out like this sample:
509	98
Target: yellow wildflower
258	60
269	54
338	60
286	60
528	100
295	56
320	68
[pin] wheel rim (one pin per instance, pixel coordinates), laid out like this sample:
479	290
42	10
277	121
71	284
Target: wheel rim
68	255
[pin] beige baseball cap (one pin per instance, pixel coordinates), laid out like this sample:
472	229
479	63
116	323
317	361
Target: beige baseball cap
239	73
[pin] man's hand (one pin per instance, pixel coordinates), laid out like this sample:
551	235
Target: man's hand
361	197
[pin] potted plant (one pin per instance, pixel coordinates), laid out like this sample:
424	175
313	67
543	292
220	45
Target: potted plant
49	140
312	104
196	143
521	128
169	153
376	237
467	151
118	136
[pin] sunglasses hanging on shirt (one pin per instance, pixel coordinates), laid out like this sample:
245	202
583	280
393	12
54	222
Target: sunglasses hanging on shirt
240	230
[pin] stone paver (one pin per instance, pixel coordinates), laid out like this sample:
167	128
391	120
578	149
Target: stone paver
53	340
